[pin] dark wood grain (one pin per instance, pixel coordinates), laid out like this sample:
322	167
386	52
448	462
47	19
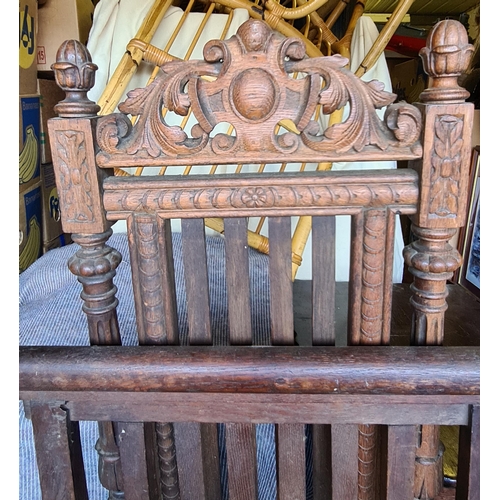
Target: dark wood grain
58	452
279	369
200	453
402	445
238	281
323	280
291	461
322	461
345	461
196	280
189	460
132	445
468	474
224	195
198	472
241	449
266	408
280	281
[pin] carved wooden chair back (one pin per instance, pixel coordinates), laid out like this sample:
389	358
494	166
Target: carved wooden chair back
318	40
147	391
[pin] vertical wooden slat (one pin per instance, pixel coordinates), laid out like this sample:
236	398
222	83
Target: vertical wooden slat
345	462
198	444
322	461
197	461
210	457
401	449
291	461
323	280
469	458
58	453
196	279
152	265
280	280
323	333
241	449
290	439
133	453
189	459
238	281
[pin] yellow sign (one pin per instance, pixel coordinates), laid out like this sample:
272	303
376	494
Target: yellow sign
26	38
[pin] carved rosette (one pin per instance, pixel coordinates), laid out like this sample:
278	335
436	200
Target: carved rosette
123	200
75	74
247	81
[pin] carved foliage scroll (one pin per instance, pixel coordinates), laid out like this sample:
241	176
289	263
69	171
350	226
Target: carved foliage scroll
247	81
78	180
74	176
446	162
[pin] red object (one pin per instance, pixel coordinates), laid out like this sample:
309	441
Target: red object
406	45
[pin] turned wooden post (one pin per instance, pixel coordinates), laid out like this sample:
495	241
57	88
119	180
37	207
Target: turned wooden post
79	184
444	173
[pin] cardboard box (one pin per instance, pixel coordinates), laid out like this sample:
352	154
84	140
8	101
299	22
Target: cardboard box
50	95
27	46
408	80
61	241
29	141
30	226
51	214
58	21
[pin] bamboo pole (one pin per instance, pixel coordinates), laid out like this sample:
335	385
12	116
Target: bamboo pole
275	22
335	14
130	60
304	9
343	46
328	36
385	35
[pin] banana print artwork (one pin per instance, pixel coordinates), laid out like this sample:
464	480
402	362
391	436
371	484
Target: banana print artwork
32	248
28	157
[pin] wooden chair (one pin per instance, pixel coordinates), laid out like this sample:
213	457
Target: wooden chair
372	409
318	40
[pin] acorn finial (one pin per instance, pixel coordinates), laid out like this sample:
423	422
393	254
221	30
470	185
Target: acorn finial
75	74
445	57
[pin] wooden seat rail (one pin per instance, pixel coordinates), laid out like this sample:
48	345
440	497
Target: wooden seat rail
352	386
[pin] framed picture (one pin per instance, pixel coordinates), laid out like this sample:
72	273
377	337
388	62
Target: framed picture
469	238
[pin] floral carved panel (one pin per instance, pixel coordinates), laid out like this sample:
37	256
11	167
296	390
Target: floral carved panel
267	90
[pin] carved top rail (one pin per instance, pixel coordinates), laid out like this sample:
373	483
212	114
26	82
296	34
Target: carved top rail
248	82
274	194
